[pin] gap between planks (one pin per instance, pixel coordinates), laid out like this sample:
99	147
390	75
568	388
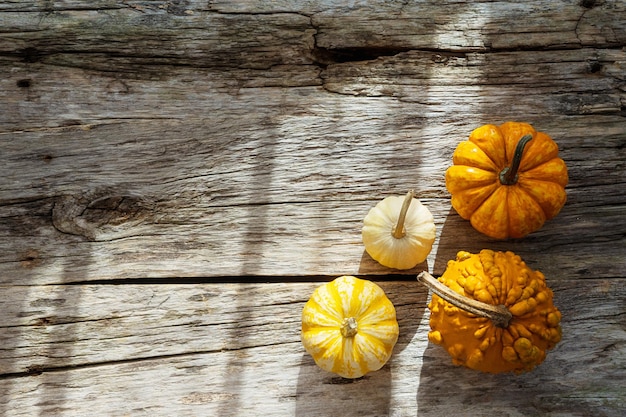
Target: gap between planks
236	279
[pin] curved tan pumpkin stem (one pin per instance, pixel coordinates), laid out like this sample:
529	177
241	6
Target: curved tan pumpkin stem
398	231
499	315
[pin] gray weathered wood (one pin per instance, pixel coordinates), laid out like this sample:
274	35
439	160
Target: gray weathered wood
234	349
231	195
172	139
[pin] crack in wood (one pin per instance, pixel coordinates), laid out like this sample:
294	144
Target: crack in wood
39	369
326	56
239	279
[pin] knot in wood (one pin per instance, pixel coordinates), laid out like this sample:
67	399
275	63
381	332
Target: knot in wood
99	215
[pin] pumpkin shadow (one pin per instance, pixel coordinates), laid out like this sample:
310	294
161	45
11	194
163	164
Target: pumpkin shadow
369	266
444	388
369	395
321	393
458	234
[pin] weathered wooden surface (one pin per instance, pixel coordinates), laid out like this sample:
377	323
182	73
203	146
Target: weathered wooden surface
169	146
234	349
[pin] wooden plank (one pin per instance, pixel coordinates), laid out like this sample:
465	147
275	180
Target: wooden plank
247	24
144	139
252	245
451	25
166	195
234	349
188	151
157	35
105	90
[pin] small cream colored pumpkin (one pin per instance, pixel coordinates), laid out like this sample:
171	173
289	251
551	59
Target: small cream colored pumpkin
399	232
349	327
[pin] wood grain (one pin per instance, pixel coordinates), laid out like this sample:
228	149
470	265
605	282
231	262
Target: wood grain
229	195
235	349
154	152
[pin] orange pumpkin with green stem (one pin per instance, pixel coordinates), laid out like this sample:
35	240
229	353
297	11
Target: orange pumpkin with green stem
507	180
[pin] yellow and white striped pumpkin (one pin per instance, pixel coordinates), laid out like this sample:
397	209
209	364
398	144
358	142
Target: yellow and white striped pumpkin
349	327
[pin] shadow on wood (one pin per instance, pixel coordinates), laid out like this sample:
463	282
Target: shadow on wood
370	266
579	377
58	324
371	394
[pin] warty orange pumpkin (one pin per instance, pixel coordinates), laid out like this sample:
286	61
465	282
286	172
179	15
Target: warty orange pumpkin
492	313
507	180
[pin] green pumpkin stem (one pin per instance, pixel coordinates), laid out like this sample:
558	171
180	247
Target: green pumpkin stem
499	315
508	176
398	231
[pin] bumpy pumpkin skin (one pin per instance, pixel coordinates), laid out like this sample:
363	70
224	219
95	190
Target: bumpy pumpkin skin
376	327
507	211
498	278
